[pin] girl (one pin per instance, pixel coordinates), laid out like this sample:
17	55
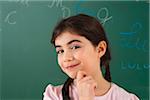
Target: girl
83	50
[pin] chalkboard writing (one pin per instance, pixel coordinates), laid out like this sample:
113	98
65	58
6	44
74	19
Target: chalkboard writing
102	14
58	3
106	18
8	17
28	61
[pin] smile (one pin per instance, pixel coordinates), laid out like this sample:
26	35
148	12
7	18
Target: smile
72	66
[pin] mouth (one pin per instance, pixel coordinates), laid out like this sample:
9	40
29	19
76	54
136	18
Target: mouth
72	66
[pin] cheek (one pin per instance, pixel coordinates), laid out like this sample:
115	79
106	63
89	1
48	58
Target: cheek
82	54
79	55
59	61
88	58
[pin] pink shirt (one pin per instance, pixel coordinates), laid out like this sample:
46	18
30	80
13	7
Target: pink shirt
114	93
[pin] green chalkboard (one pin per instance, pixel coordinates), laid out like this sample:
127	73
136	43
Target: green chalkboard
28	61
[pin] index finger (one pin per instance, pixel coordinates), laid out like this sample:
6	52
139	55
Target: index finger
80	75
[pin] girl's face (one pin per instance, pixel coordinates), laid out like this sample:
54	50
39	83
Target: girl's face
76	53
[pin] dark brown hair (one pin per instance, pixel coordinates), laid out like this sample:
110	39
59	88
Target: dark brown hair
91	29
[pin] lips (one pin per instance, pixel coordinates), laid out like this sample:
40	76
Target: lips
72	66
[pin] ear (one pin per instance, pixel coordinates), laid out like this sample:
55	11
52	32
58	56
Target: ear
101	48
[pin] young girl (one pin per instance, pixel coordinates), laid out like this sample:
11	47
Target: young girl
83	50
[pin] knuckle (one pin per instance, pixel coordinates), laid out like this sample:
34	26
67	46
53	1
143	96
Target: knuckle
88	85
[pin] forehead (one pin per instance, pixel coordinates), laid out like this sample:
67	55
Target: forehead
65	37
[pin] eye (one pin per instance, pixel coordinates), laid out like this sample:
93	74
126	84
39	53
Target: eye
60	51
75	47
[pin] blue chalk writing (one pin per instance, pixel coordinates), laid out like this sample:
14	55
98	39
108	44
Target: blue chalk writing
138	43
134	66
136	27
134	42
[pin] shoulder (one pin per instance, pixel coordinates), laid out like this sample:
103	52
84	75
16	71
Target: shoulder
53	92
122	93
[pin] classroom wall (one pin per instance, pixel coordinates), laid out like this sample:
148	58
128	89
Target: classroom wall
28	61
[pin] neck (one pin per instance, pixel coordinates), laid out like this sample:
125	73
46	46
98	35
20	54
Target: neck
103	85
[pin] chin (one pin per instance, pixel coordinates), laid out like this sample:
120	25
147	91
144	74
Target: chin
72	75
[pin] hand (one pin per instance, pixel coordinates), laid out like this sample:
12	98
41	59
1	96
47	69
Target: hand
85	86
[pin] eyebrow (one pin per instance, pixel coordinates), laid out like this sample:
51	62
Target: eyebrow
56	46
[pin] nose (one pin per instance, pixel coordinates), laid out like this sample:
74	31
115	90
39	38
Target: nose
68	56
